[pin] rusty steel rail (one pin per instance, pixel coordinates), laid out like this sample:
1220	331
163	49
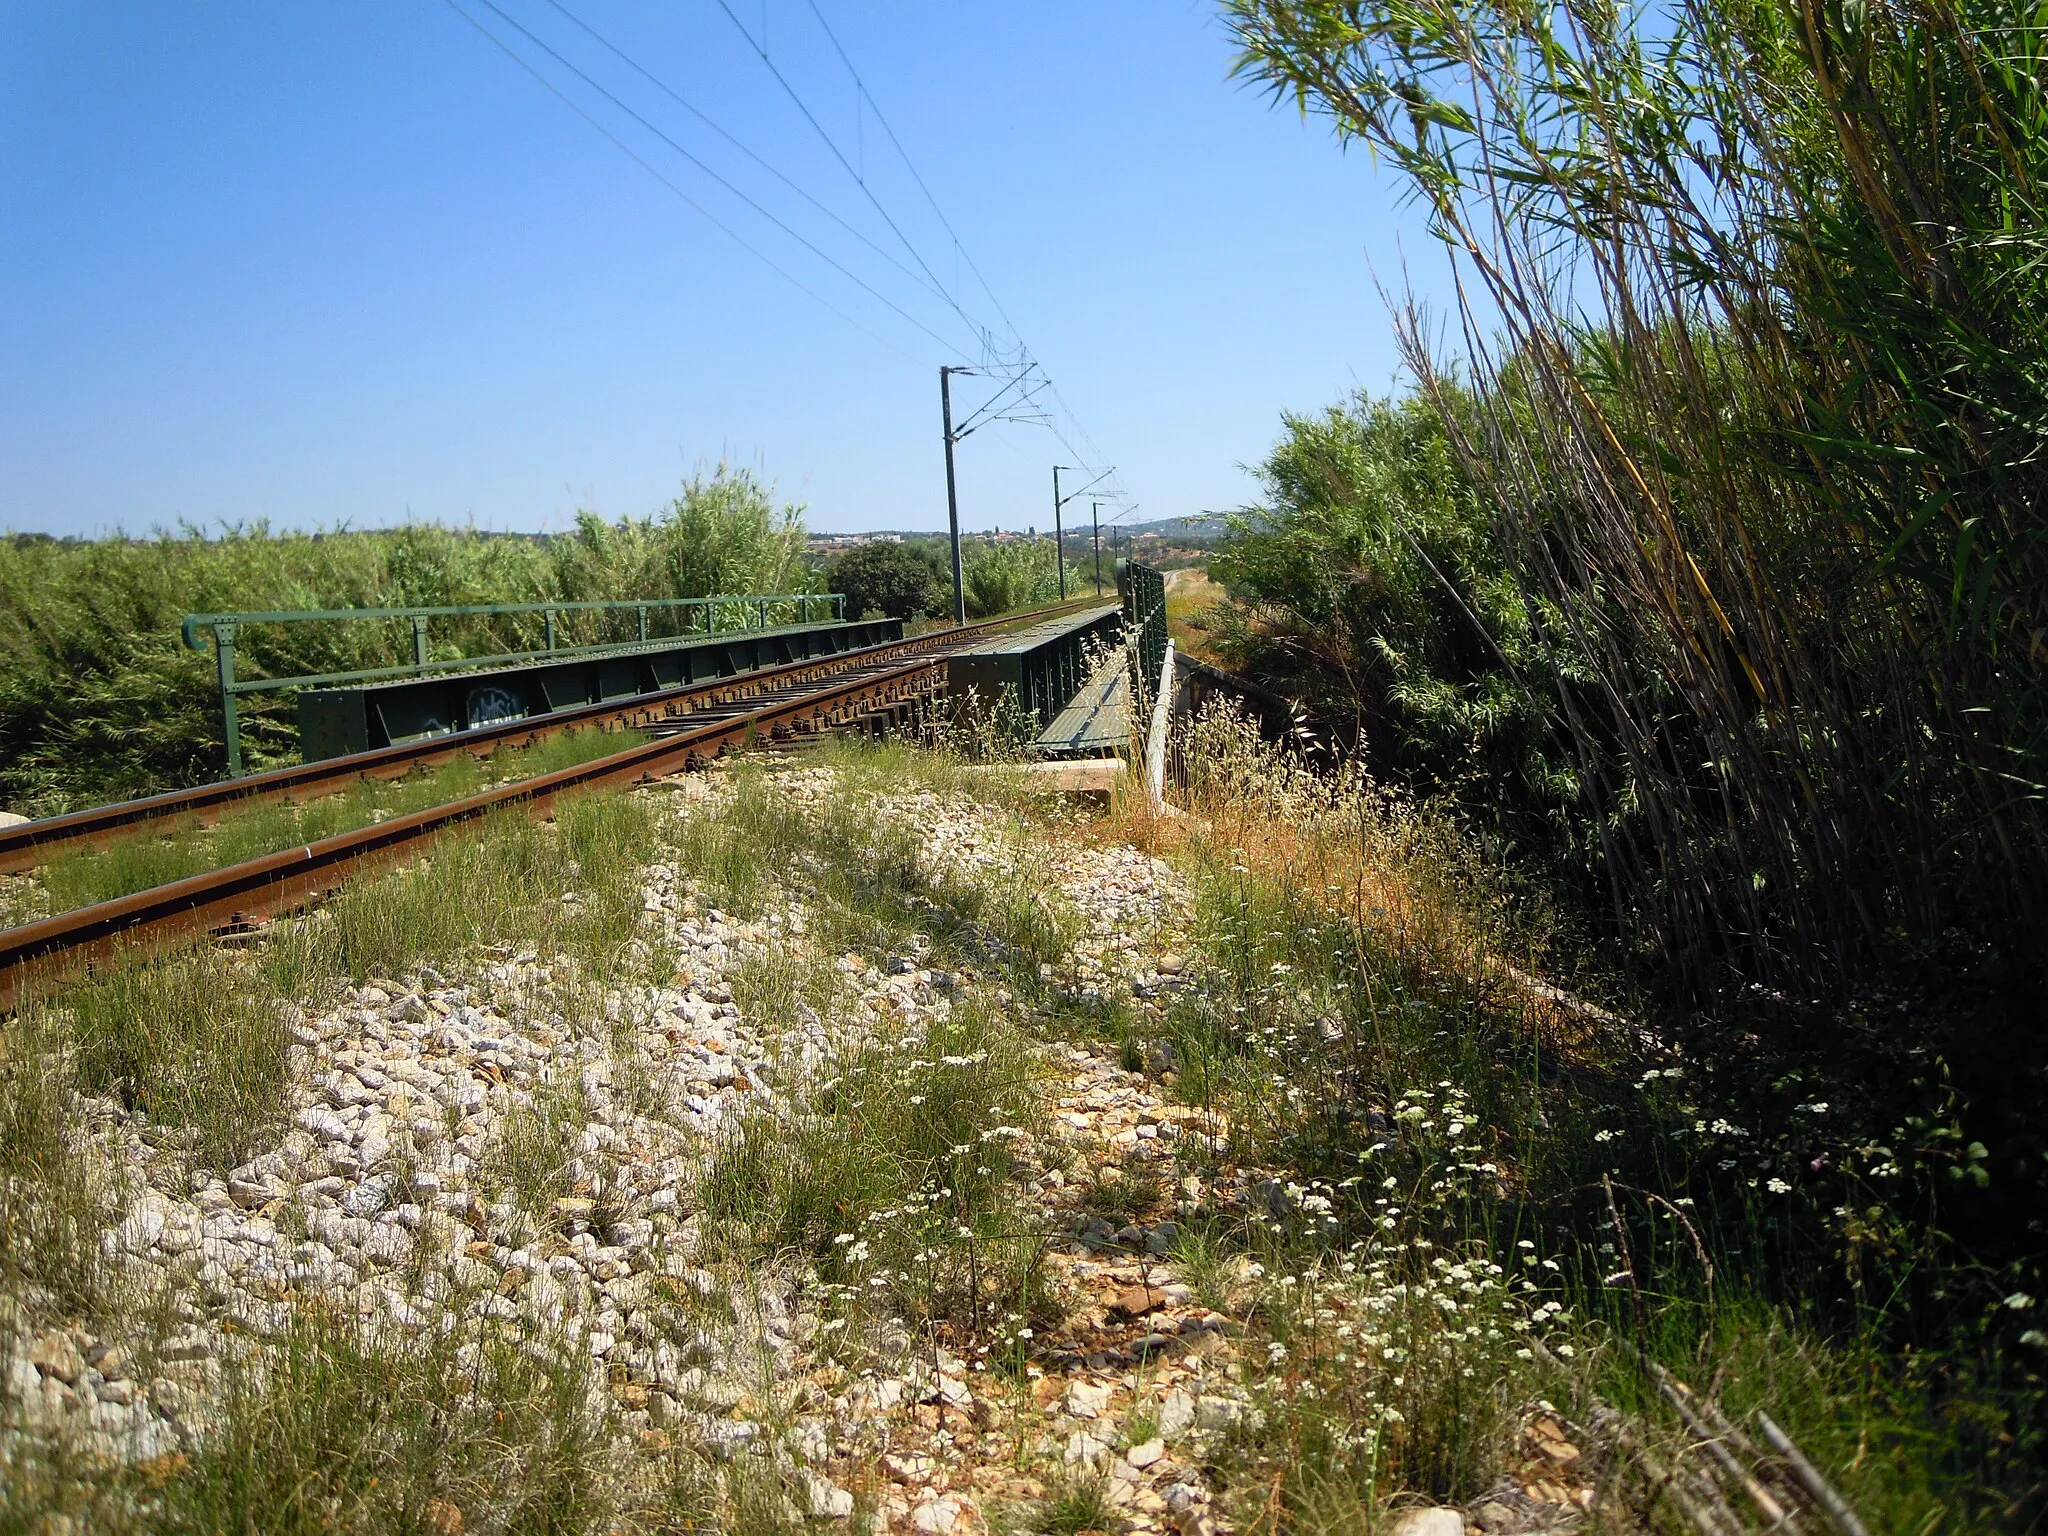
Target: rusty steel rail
33	843
261	887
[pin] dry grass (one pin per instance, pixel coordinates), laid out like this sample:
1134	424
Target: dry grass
1353	1014
1190	595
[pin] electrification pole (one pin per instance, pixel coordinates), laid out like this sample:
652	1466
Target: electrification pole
952	493
1059	503
1097	512
1059	544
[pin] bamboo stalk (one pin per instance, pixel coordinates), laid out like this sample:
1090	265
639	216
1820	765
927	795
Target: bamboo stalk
1679	1396
1809	1477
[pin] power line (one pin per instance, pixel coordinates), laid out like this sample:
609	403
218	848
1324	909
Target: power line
807	244
903	154
690	107
633	155
860	181
1092	453
1025	375
1087	451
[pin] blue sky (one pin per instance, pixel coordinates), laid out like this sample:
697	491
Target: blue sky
327	262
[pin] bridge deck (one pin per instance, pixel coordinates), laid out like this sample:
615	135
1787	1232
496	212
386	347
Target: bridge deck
1096	724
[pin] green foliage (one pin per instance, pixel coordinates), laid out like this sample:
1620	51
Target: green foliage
187	1040
52	1204
1761	438
100	700
1002	578
898	580
1370	588
1430	1110
155	855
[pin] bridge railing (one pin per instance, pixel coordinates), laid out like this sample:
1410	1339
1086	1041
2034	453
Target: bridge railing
717	615
1143	593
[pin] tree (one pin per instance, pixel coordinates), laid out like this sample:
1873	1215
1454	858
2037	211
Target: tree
899	580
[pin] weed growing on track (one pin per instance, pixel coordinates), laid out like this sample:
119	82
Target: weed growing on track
198	1038
531	1153
572	888
328	1427
892	1179
186	1040
52	1206
157	856
1078	1505
871	887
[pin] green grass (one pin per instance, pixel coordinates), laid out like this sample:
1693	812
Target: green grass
1352	1024
158	855
52	1208
865	873
197	1038
531	1150
893	1178
1077	1505
337	1431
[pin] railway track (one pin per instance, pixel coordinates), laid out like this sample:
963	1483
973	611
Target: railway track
690	725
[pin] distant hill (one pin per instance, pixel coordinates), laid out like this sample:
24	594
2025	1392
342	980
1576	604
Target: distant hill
1198	528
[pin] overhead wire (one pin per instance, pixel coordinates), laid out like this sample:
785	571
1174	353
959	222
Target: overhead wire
765	213
860	181
706	214
1018	364
903	154
711	123
1092	452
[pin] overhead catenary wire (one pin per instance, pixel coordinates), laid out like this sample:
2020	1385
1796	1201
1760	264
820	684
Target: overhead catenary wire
637	117
706	214
1087	451
711	123
1011	360
903	154
760	50
1092	452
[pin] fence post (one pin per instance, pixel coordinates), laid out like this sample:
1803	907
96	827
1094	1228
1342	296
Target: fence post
549	616
641	612
419	639
231	719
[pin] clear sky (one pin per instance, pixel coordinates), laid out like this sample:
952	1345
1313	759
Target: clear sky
345	261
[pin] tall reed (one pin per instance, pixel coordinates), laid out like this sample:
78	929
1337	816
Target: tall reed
99	699
1755	319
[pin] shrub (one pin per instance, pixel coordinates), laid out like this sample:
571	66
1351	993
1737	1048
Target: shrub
1370	588
100	700
900	581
